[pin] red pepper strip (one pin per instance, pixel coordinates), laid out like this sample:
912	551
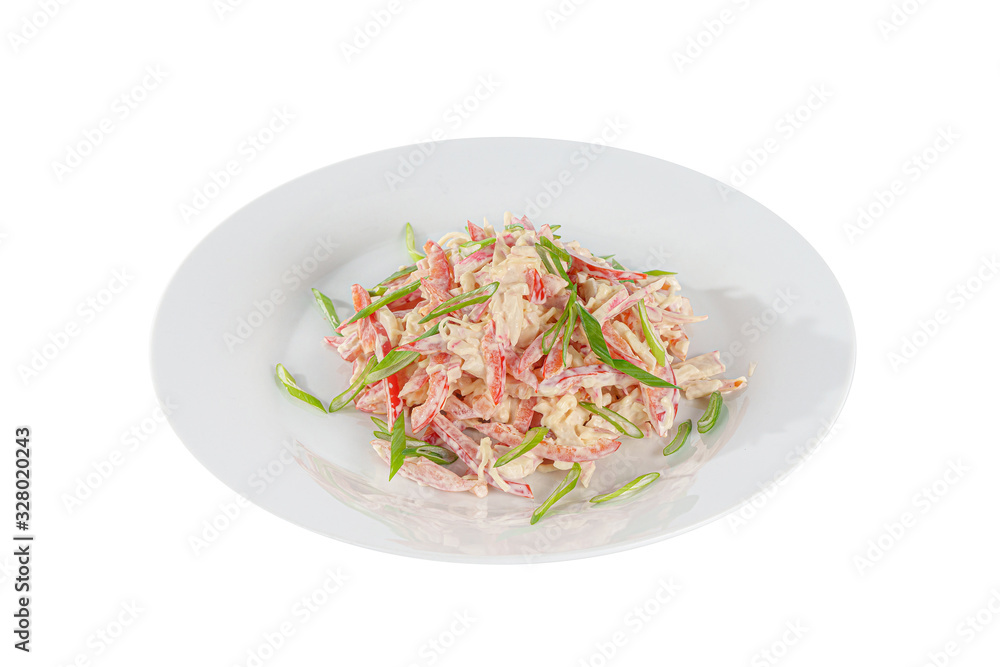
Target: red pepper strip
618	346
525	411
483	406
394	405
537	286
554	360
530	356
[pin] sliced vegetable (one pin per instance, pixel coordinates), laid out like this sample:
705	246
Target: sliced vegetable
328	310
531	440
615	263
628	368
397	446
636	485
476	245
380	423
592	329
478	295
600	347
398	359
430	332
410	440
341	400
405	271
557	255
619	422
707	421
544	256
440	455
391	364
679	438
411	244
565	486
288	382
554	249
552	334
388	298
657	272
417	447
380	289
652	338
571	306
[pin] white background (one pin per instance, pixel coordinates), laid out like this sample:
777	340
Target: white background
847	551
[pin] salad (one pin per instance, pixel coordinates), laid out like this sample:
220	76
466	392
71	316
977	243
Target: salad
503	353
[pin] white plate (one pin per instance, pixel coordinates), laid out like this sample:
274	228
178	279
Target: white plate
241	303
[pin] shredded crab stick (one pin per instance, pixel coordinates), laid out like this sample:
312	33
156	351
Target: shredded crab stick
437	394
470	454
661	404
554	451
497	333
426	472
